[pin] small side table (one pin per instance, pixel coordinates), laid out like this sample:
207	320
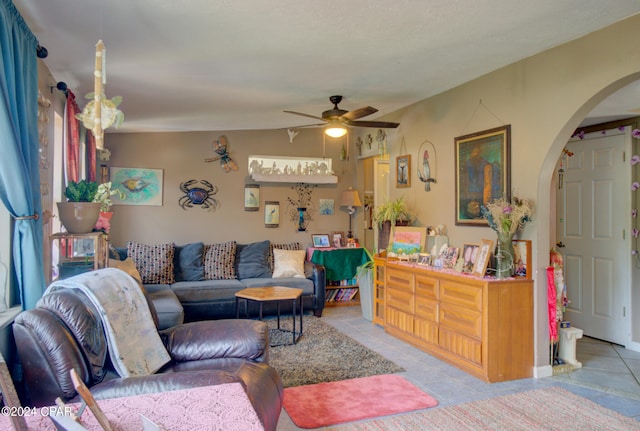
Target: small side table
81	252
273	293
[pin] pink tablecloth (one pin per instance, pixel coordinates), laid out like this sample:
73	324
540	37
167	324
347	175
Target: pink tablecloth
222	407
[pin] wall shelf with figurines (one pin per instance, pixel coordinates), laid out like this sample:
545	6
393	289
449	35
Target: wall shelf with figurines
282	169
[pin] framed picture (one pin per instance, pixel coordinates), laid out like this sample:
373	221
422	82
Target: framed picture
271	214
403	171
408	239
469	257
424	259
450	258
482	172
338	239
522	258
482	259
320	240
252	197
83	247
326	206
139	186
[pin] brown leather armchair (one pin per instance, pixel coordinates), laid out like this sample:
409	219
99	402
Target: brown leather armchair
65	331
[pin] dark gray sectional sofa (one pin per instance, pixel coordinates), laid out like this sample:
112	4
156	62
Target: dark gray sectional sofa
201	288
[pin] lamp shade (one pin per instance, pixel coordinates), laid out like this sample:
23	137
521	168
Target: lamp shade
335	130
350	198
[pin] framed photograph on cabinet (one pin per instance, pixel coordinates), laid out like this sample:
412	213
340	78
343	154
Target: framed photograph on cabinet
338	239
403	171
321	240
271	214
252	197
522	258
482	260
482	172
469	257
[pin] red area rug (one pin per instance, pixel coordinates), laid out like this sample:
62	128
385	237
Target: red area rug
323	404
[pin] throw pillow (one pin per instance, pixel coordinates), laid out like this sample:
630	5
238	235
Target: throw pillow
219	261
188	262
128	266
289	246
252	260
154	262
288	263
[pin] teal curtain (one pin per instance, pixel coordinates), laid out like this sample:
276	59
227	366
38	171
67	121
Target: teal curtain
19	170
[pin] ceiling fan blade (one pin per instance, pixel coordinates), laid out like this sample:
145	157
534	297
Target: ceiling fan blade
378	124
359	113
304	115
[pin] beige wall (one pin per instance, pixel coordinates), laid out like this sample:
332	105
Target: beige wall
181	156
544	98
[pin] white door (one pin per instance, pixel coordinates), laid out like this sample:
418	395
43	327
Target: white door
593	209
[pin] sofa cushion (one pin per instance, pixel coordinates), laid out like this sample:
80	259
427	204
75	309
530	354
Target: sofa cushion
154	262
208	290
252	260
287	246
189	262
219	261
288	263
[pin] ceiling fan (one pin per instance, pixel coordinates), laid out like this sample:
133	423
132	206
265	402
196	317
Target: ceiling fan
338	119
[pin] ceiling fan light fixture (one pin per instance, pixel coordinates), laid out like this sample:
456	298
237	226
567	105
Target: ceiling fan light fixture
335	131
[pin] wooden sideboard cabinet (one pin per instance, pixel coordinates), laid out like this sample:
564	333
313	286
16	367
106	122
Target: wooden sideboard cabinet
483	326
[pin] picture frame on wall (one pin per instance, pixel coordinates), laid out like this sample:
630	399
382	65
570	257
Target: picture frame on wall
522	258
271	214
482	172
252	197
403	171
139	186
482	260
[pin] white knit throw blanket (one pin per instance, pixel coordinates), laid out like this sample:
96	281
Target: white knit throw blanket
135	347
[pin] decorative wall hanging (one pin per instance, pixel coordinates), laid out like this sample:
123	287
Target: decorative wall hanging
101	113
427	166
138	186
403	171
482	172
271	214
301	207
370	146
251	197
198	193
282	169
327	206
220	148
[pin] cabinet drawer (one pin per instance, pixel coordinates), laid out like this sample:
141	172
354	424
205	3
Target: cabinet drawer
426	287
400	280
427	309
465	295
399	319
400	299
464	347
461	320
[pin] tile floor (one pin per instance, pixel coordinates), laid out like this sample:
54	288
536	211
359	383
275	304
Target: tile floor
609	376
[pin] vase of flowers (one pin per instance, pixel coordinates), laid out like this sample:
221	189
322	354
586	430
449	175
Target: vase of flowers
506	218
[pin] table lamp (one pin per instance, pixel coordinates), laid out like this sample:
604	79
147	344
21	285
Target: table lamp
351	200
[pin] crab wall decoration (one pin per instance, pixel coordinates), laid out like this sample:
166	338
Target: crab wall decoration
198	193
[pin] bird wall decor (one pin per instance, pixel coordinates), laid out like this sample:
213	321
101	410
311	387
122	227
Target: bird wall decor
424	174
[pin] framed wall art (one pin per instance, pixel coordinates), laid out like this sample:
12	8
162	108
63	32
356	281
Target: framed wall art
408	239
139	186
482	172
403	171
522	258
252	197
327	206
482	260
271	214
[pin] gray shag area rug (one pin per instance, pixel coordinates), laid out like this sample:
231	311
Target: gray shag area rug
322	354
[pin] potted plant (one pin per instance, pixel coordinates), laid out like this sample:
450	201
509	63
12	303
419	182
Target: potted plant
391	213
103	197
80	213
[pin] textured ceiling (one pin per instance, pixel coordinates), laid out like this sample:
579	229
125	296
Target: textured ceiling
237	64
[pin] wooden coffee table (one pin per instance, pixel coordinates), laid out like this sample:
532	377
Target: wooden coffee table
269	294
